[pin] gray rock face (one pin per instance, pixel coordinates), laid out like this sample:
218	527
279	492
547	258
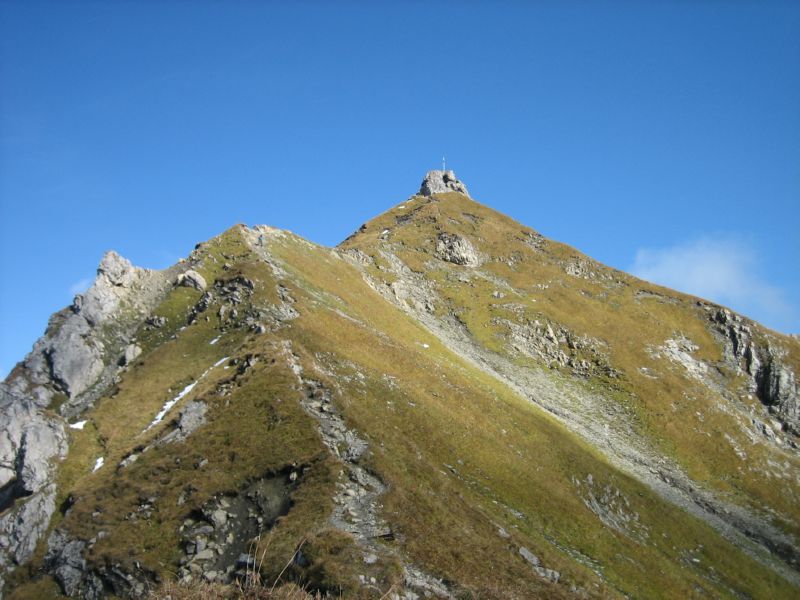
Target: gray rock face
777	386
117	270
72	354
680	350
529	556
75	359
457	250
116	276
83	343
28	442
132	352
192	279
438	182
65	561
774	383
22	526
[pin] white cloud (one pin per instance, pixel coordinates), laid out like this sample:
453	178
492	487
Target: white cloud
724	270
80	286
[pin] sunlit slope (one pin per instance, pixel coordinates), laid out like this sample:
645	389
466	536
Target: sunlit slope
643	372
459	475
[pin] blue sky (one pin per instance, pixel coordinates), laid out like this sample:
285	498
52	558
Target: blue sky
662	138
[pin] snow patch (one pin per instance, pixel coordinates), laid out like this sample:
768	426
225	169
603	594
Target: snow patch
98	463
78	425
170	403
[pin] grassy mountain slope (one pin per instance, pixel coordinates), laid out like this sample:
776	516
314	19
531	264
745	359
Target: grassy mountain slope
462	429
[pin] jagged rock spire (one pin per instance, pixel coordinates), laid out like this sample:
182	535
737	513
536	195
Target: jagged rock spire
437	182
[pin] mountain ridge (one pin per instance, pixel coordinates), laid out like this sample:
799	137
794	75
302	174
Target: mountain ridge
485	303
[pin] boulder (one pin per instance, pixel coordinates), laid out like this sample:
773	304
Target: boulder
541	571
193	279
457	250
132	352
191	417
529	556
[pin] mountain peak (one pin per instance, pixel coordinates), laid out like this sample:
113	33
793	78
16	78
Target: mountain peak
447	403
437	182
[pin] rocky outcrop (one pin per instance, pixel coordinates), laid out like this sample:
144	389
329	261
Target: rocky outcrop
541	571
438	182
217	539
773	382
233	297
68	566
132	352
776	386
679	350
192	279
81	352
83	343
116	277
22	526
65	561
457	250
557	346
29	444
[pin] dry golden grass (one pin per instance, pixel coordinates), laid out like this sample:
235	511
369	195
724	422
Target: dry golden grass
215	591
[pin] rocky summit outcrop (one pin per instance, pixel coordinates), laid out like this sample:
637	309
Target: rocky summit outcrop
438	182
